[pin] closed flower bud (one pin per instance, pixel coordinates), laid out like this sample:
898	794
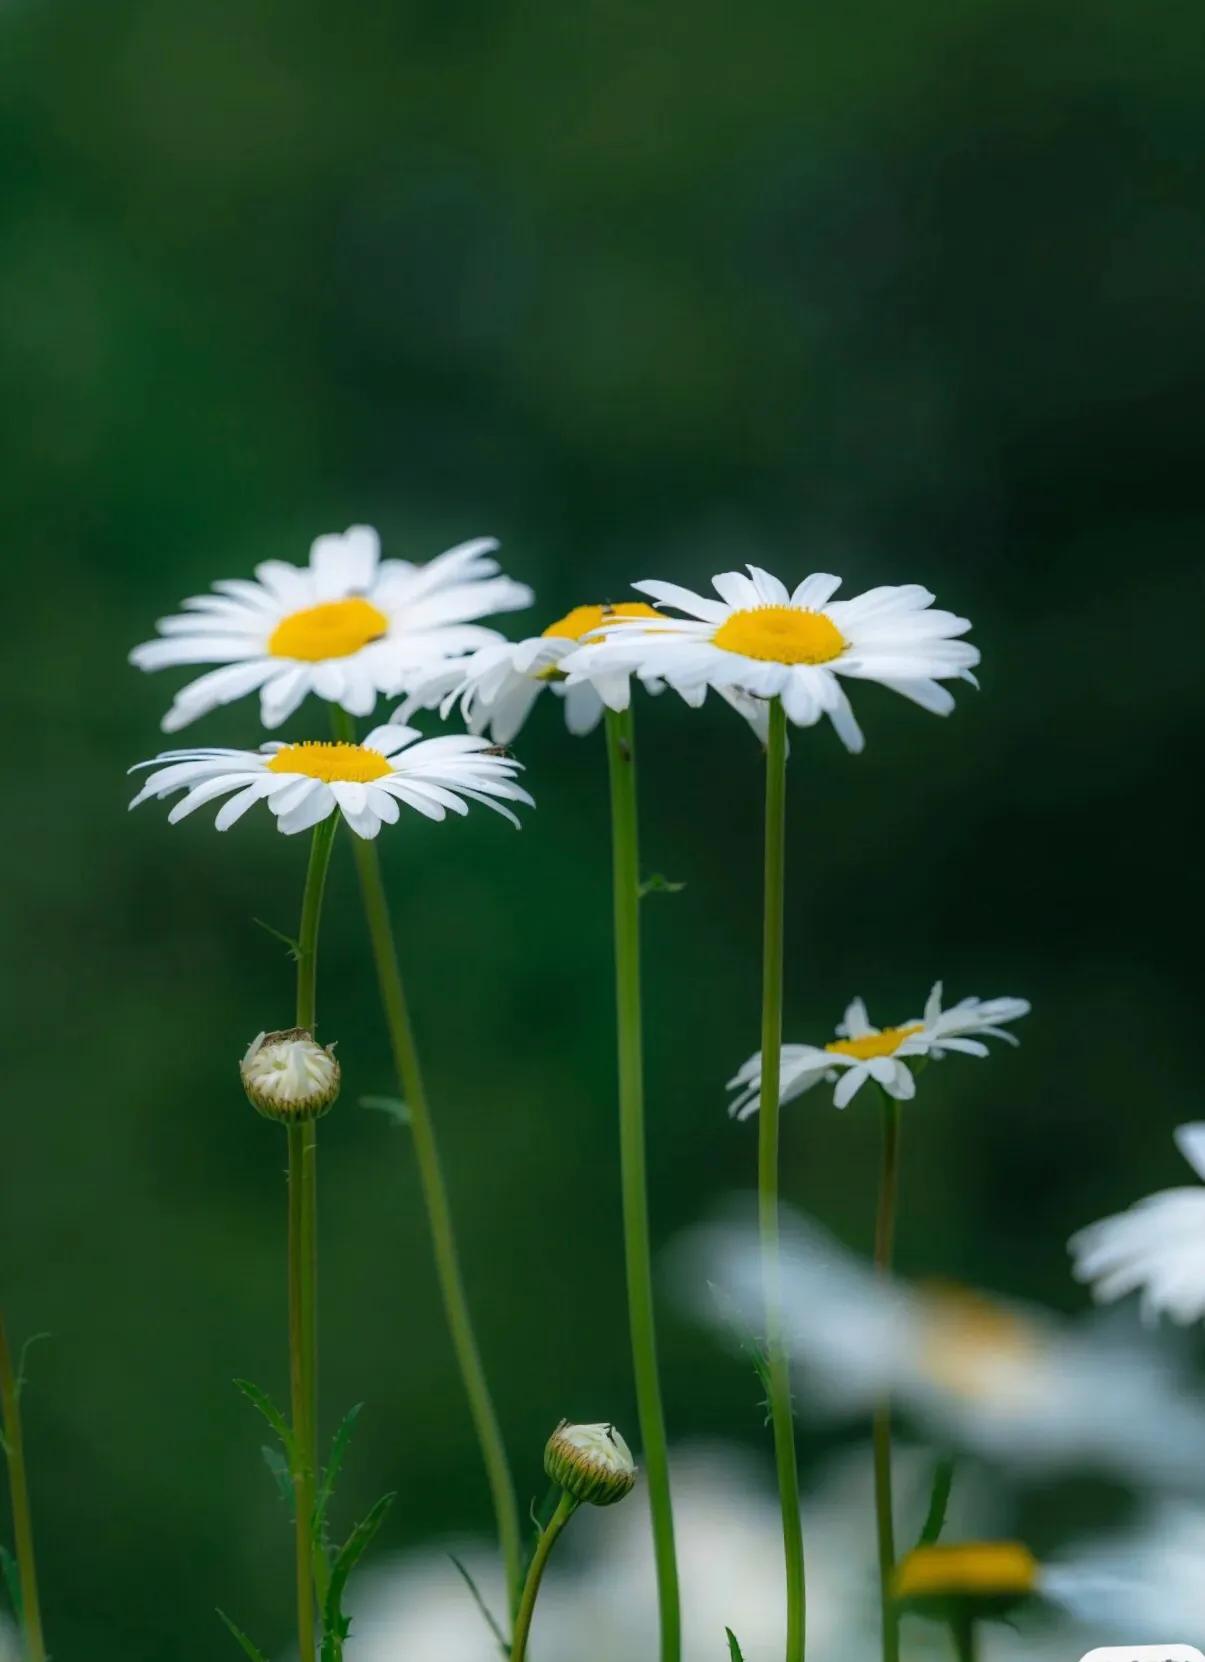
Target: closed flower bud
288	1076
590	1462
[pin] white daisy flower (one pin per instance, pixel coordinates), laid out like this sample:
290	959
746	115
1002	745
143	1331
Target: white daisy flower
304	783
861	1051
347	627
497	685
1015	1384
794	645
1158	1246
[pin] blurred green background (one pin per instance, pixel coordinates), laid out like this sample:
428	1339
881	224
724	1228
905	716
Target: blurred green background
907	292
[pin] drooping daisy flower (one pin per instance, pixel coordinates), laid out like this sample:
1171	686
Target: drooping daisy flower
861	1051
498	684
1158	1246
1013	1383
348	627
762	639
304	783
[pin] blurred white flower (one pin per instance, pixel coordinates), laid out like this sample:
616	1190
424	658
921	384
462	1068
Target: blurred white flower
305	783
1013	1383
861	1051
347	627
1158	1246
1145	1582
772	642
599	1602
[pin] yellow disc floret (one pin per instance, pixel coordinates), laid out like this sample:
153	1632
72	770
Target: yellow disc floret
335	629
582	619
869	1045
973	1348
967	1569
781	635
347	764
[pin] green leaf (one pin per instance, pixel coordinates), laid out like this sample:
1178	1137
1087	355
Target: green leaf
392	1106
294	946
281	1475
251	1650
34	1339
656	884
484	1608
12	1580
262	1401
326	1488
734	1650
939	1500
335	1624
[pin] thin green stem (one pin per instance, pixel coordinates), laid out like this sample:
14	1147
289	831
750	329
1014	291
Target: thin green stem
435	1196
18	1482
566	1507
621	756
884	1246
303	1254
767	1180
966	1644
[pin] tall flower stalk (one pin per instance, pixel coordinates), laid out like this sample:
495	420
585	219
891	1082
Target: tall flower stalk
884	1246
303	1257
621	757
777	1364
435	1197
14	1450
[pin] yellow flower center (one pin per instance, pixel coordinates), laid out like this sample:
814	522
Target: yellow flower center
870	1045
987	1569
781	635
582	619
971	1346
335	629
347	764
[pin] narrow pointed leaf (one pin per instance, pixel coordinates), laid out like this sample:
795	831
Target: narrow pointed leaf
12	1580
939	1500
349	1553
249	1649
484	1608
391	1106
279	1468
272	1414
734	1650
656	884
288	941
339	1444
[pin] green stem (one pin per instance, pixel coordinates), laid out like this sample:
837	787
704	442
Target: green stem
884	1246
966	1647
566	1507
621	756
303	1254
435	1196
767	1180
14	1448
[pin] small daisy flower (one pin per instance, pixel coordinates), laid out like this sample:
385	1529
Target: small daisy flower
1157	1247
796	645
497	685
861	1051
304	783
348	627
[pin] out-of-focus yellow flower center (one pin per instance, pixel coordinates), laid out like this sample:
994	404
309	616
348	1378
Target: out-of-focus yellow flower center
582	619
335	629
781	635
986	1569
870	1045
972	1347
347	764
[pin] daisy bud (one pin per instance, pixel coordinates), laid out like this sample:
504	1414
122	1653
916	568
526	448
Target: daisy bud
966	1580
590	1462
288	1076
